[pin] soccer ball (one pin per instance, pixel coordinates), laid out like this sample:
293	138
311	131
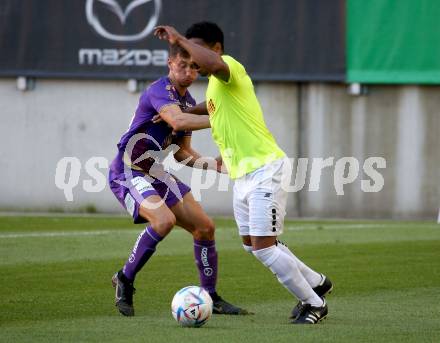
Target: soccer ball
192	306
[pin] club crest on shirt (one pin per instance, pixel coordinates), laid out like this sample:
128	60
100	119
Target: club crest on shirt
211	107
184	105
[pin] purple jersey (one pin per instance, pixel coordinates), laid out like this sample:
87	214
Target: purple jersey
160	135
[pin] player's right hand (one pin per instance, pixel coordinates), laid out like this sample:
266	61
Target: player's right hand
221	168
168	33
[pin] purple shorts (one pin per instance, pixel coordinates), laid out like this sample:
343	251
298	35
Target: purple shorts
132	189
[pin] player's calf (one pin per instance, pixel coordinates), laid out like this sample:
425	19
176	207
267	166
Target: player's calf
288	274
206	260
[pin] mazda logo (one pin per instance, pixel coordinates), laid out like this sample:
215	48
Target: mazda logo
122	15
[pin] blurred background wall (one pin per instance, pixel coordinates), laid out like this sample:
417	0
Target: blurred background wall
398	123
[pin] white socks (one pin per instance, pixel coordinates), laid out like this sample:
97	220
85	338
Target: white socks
247	248
313	278
286	269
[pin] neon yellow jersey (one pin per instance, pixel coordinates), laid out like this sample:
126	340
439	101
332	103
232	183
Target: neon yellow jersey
237	122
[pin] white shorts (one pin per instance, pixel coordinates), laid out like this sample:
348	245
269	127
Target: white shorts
260	199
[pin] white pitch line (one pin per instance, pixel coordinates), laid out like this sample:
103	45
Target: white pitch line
354	226
220	228
335	226
66	233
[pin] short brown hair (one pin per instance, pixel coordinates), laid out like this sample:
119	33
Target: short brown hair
176	49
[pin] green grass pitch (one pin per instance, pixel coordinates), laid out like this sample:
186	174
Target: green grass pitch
56	271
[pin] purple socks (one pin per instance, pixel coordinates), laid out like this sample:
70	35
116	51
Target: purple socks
204	252
144	247
206	261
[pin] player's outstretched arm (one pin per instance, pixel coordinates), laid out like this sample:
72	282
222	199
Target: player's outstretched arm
205	58
191	158
180	121
199	109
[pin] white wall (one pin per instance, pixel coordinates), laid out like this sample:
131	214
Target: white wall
398	123
86	118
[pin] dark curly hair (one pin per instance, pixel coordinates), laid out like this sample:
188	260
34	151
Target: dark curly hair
209	32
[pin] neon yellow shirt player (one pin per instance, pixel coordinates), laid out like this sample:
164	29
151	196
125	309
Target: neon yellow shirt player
256	163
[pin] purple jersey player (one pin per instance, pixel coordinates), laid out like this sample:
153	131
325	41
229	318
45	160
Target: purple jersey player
151	194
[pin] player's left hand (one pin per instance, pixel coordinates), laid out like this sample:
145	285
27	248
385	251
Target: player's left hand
168	33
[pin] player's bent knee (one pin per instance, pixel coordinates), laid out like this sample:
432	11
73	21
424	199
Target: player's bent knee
164	224
203	234
210	226
205	231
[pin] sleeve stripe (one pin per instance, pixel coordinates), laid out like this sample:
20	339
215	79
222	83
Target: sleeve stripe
169	104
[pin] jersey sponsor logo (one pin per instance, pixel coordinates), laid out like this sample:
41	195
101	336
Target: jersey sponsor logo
95	19
211	107
129	203
141	185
